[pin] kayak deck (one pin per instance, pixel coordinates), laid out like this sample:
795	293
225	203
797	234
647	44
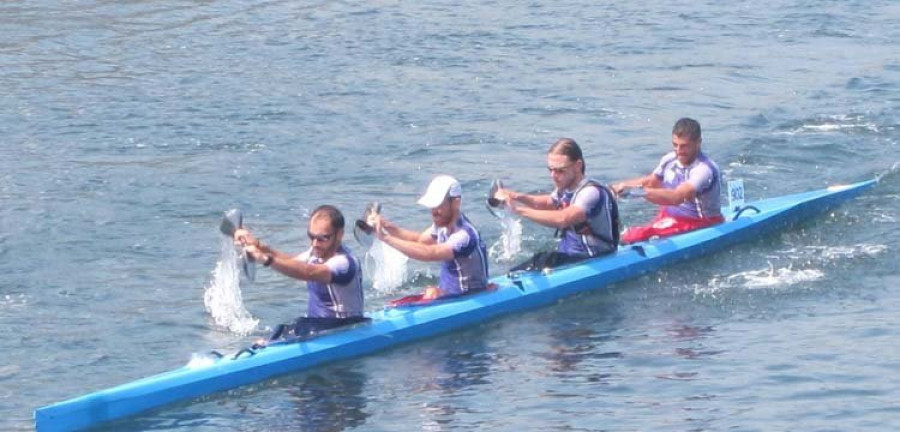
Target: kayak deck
394	326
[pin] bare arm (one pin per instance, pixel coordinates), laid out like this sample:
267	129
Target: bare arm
419	250
300	270
286	264
243	237
647	181
418	246
539	202
553	218
671	197
382	224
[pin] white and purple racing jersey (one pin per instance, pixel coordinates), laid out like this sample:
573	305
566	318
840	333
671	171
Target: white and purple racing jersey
468	270
703	174
343	297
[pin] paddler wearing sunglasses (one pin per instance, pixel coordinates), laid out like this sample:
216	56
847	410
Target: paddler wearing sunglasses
583	210
333	275
451	239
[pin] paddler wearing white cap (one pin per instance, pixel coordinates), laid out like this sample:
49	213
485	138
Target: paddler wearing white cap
451	239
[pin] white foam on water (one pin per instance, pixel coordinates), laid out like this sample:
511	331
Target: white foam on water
787	276
832	253
775	278
385	266
835	123
884	218
199	361
509	245
222	296
768	278
13	300
752	168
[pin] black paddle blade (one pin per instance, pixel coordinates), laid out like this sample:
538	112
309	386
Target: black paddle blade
492	199
231	221
364	227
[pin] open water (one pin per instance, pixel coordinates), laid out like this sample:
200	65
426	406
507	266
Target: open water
127	127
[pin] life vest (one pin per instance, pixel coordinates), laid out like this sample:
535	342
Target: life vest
595	223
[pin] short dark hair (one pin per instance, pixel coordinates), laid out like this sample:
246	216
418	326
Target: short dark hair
687	128
569	148
332	213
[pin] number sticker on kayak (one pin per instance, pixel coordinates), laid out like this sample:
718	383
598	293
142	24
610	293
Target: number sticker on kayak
735	194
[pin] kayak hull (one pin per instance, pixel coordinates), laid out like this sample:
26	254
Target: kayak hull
391	327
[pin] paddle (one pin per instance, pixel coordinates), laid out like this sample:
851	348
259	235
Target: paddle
635	192
492	200
231	221
362	231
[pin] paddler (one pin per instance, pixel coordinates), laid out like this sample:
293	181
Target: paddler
333	275
686	185
582	209
451	239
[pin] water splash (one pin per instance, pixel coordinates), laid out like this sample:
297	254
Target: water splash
222	297
774	278
768	278
890	172
827	254
843	252
200	361
385	267
509	245
785	276
835	123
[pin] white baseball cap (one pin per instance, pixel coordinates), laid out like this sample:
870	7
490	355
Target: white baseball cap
439	189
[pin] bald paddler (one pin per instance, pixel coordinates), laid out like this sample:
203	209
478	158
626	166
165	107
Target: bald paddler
333	275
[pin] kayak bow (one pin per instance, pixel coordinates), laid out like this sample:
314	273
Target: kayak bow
394	326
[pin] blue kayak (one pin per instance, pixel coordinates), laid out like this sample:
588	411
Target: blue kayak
394	326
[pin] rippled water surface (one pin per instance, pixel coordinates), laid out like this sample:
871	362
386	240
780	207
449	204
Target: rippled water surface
126	128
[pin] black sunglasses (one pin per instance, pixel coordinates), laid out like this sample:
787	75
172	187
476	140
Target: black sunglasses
319	237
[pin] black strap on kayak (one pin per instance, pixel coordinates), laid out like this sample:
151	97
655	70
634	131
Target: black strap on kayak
742	210
250	351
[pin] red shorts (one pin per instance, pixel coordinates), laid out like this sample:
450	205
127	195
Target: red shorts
665	225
